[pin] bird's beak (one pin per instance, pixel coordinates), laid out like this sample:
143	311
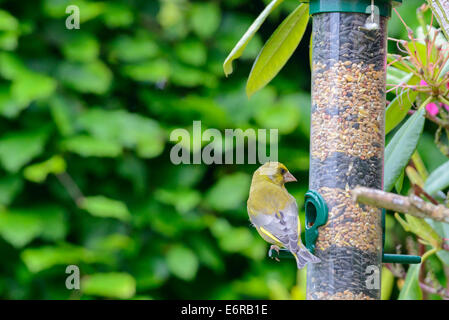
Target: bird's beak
288	177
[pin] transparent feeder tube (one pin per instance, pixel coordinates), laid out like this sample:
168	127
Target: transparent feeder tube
347	149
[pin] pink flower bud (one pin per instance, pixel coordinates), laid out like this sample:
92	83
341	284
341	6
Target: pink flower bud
432	109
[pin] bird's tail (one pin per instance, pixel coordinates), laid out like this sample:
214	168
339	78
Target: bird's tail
303	256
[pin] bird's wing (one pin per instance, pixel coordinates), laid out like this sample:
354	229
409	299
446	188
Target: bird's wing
281	225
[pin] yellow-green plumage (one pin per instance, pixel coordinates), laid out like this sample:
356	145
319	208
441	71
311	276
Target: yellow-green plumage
274	212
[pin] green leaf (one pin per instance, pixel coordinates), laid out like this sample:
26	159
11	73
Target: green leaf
387	283
421	228
89	10
130	130
18	148
393	59
109	285
8	22
187	76
62	111
234	186
411	289
184	200
10	186
311	51
184	176
134	49
81	47
236	240
45	257
150	273
278	49
420	50
396	76
192	52
11	66
443	255
170	14
9	107
9	40
88	146
114	243
92	77
398	109
443	231
118	15
401	147
31	86
53	220
205	19
237	51
400	182
103	207
19	228
208	253
429	152
182	262
151	71
38	172
438	179
283	116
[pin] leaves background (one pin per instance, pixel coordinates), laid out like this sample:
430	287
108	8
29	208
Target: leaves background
85	173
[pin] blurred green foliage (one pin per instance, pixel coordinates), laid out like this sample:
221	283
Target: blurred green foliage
85	173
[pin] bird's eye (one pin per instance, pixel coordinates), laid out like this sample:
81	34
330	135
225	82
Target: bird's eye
283	171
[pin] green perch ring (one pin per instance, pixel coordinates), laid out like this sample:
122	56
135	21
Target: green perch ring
316	216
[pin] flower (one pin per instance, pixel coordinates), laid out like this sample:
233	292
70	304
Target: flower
432	109
445	106
423	83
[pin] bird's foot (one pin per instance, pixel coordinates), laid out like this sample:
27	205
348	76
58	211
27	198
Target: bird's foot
270	252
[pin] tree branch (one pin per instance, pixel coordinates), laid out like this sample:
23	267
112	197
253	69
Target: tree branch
412	204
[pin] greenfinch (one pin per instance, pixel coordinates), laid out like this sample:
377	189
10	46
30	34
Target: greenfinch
274	212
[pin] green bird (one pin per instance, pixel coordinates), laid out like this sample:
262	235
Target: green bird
274	212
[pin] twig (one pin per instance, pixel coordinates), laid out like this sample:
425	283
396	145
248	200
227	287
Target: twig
412	204
437	120
71	187
420	191
439	291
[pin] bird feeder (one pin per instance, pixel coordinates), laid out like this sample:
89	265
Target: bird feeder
347	147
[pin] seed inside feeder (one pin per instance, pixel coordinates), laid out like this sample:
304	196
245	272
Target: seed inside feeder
347	145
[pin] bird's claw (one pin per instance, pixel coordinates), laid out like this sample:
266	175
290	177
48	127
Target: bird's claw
270	252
